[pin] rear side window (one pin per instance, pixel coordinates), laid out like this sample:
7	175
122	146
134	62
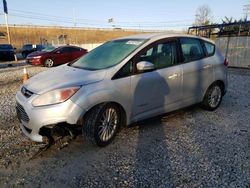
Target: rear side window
210	48
191	49
73	49
65	50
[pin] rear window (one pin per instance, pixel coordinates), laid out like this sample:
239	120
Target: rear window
191	49
210	48
6	46
27	47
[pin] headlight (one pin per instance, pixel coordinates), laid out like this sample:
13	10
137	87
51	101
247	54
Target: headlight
55	96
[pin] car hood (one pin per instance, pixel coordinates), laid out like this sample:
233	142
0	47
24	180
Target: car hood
37	53
62	76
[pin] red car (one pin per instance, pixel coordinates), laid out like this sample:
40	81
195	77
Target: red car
51	56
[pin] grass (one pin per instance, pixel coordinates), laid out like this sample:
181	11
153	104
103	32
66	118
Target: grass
57	35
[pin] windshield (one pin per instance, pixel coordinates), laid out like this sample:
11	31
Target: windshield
49	48
109	54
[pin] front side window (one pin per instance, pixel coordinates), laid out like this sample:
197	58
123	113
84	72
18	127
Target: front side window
125	71
191	49
162	55
109	54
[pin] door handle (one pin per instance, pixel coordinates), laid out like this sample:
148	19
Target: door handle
173	76
207	66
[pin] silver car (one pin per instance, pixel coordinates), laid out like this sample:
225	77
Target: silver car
123	81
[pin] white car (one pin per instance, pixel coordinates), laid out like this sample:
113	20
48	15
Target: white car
123	81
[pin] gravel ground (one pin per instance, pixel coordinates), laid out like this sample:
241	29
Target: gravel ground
187	148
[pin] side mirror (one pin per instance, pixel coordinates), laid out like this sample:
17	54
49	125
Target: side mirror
145	66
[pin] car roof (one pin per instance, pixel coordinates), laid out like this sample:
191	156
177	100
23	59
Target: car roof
156	36
6	45
71	46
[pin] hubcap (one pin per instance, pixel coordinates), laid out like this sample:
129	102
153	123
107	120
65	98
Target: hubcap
49	63
215	97
108	124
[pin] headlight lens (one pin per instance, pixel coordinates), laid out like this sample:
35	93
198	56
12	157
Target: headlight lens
55	96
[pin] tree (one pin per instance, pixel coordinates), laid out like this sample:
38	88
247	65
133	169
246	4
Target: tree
203	16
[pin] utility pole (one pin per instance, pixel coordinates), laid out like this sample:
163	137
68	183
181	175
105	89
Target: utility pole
74	20
7	26
111	20
246	10
74	17
5	8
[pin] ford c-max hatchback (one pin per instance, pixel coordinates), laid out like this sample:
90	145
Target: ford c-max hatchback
121	82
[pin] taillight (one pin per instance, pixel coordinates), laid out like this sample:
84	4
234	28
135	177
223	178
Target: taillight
226	62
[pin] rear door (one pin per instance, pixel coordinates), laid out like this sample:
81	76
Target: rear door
62	55
76	53
197	71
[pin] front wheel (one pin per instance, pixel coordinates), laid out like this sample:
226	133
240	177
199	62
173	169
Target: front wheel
49	63
101	124
213	97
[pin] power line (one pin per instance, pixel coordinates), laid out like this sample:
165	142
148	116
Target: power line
102	21
97	23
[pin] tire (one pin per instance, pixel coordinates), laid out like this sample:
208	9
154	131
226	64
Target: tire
49	63
213	97
101	124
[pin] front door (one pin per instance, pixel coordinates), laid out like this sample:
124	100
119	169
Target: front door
160	90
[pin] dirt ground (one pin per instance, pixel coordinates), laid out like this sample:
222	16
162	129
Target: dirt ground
188	148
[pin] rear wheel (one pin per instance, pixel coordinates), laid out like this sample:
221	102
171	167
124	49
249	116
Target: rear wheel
101	124
213	97
49	63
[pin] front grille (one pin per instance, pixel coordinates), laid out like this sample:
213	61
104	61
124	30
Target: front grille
21	114
26	92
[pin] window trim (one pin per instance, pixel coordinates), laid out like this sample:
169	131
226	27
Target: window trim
181	52
117	76
134	72
205	49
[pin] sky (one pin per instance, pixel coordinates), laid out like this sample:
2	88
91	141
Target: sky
135	14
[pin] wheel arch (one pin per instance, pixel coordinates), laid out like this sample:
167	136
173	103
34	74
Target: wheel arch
221	84
121	108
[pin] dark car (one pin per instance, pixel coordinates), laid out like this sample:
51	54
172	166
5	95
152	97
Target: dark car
51	56
7	52
29	48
